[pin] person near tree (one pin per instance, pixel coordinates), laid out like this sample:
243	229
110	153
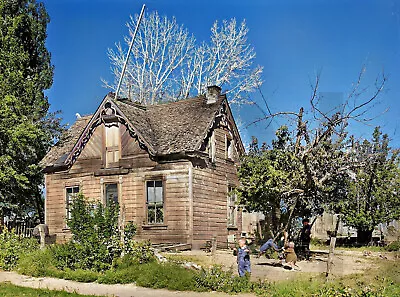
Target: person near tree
305	238
277	247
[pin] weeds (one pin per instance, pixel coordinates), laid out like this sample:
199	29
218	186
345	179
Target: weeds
12	247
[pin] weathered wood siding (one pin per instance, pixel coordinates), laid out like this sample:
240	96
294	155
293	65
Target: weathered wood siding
210	197
195	198
135	168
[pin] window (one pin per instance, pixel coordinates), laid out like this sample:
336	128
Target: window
212	148
232	211
229	148
155	202
112	143
111	193
71	193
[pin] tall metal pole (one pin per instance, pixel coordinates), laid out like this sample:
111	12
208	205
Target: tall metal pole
129	51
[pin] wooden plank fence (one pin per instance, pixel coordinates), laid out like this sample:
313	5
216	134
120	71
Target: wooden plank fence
23	229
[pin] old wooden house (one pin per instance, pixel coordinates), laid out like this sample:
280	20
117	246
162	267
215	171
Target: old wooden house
171	167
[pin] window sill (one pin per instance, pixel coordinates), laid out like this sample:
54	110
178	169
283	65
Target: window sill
232	228
66	229
155	227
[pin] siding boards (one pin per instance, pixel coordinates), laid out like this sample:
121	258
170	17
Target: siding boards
189	217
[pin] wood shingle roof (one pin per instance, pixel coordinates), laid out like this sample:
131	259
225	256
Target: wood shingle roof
169	128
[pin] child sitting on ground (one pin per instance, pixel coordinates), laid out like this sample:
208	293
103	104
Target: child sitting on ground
290	255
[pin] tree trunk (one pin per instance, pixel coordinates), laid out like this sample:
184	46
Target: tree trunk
1	220
332	245
39	208
364	237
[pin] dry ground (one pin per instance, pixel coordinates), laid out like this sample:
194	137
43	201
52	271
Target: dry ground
345	263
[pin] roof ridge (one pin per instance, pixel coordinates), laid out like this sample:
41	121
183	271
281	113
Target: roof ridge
177	102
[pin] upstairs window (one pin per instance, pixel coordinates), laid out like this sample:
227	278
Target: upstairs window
111	193
232	209
155	202
212	150
229	148
70	193
112	143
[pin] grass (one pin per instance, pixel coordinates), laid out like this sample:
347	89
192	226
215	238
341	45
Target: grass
202	260
9	290
376	282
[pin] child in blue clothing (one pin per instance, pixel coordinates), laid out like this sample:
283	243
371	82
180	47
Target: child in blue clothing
243	257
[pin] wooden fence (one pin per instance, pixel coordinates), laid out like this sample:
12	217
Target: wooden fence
23	229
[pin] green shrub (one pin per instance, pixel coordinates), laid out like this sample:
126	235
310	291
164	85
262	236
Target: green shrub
64	255
80	275
96	238
393	247
152	275
119	276
349	292
129	231
139	251
166	275
216	279
12	247
38	263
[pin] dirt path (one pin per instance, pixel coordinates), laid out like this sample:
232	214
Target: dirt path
95	289
345	263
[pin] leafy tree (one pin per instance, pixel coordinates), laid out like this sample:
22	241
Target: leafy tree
373	192
167	64
320	154
274	182
268	175
27	129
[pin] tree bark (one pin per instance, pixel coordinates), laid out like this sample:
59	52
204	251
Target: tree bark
332	245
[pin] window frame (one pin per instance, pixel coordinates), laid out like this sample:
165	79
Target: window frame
114	148
155	223
68	200
229	148
105	200
212	148
232	208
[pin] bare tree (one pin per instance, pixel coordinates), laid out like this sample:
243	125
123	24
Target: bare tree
167	64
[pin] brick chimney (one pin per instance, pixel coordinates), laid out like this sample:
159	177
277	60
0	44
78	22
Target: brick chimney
212	94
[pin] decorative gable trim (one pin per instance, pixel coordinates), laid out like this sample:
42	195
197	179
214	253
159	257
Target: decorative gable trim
108	114
223	118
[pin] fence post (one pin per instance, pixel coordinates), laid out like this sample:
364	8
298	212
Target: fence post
42	234
213	245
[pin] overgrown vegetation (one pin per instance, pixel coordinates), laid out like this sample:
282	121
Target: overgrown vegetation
9	290
97	240
74	261
172	276
12	247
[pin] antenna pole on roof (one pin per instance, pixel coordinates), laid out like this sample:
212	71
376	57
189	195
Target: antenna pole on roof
129	51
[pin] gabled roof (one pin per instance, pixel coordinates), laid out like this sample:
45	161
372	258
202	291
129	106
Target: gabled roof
163	129
59	152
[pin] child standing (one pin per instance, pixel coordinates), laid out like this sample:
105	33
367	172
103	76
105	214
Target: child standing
243	257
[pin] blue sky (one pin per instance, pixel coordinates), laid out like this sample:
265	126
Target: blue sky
293	40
